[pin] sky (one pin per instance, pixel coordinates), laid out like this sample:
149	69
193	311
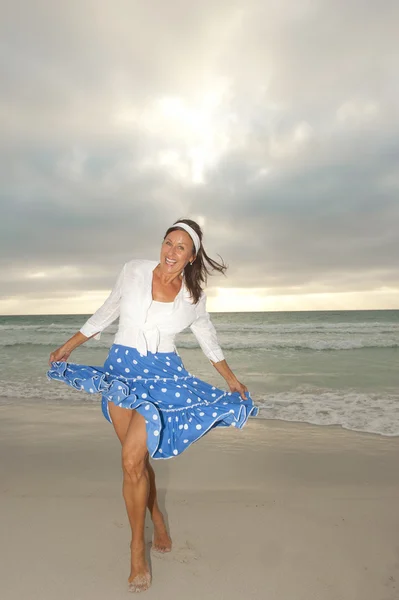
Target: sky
274	123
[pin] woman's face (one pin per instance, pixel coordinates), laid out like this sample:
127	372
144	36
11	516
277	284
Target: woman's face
176	252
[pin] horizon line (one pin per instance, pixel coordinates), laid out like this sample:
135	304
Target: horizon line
222	312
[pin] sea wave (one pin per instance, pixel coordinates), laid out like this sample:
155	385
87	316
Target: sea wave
38	327
376	413
320	345
266	345
44	390
236	328
367	412
293	328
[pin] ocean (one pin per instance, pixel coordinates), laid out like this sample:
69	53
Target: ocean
325	368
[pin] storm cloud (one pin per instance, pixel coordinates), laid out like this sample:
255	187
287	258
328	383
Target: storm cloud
275	123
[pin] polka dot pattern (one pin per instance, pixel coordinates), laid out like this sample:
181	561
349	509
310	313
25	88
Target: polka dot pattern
178	407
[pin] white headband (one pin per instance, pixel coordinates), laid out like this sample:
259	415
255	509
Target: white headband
194	236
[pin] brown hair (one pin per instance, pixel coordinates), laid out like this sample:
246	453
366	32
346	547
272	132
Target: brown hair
196	274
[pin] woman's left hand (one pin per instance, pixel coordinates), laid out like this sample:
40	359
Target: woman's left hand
237	386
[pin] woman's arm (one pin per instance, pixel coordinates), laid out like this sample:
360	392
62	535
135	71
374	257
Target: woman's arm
107	313
203	329
205	333
104	316
62	353
235	386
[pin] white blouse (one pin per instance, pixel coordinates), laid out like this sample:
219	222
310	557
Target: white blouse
141	324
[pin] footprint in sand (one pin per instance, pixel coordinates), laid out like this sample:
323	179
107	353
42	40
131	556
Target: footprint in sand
118	524
183	553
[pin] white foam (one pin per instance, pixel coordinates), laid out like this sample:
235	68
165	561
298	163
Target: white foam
367	412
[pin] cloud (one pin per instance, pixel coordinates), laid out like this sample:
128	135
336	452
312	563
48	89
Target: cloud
276	121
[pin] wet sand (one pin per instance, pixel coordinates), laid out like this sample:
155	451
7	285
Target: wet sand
277	511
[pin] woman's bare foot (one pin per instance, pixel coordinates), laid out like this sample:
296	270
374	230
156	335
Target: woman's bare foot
162	541
140	583
140	578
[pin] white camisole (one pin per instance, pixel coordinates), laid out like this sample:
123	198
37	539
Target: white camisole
155	316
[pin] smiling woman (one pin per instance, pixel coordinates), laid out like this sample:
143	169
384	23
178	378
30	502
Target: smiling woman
158	408
187	236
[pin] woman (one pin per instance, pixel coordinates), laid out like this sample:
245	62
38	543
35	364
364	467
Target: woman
156	407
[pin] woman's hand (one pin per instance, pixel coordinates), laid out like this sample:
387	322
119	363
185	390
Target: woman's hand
60	355
237	386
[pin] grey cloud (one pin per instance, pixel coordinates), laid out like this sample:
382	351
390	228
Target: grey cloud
310	99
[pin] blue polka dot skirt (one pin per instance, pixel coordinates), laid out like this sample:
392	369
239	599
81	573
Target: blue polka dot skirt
178	408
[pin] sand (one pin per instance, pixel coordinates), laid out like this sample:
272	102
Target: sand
277	511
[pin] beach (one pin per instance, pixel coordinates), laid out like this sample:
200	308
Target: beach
276	511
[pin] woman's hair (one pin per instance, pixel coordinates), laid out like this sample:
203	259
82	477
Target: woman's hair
196	274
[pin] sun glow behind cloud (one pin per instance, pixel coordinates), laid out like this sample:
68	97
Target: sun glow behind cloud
251	300
193	134
219	300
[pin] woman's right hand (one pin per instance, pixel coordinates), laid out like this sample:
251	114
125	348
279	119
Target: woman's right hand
60	355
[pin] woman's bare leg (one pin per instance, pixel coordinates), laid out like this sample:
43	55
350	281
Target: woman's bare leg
121	418
136	486
162	541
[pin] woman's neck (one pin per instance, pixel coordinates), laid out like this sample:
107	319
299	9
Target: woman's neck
167	278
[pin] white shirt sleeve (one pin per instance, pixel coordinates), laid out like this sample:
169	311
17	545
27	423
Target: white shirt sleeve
205	332
107	313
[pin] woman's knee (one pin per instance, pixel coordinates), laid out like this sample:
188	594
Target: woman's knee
134	449
134	467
